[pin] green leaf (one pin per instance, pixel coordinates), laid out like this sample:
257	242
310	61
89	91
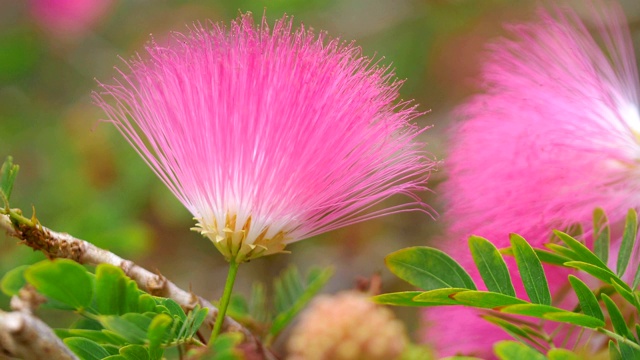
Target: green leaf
302	294
192	323
157	333
512	329
439	297
562	251
62	280
582	252
597	272
588	301
146	303
225	346
531	272
483	299
601	235
562	354
174	309
628	240
544	256
116	294
85	348
99	336
124	328
258	308
614	352
134	352
428	268
8	174
398	299
535	310
14	280
511	350
624	291
575	319
628	351
636	278
491	265
288	286
617	320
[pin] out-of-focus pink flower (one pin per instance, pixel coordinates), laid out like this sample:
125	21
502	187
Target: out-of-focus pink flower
555	134
68	17
269	136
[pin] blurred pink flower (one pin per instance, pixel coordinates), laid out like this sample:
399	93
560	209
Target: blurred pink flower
68	17
555	134
269	136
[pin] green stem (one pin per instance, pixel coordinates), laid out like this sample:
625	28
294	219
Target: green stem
224	301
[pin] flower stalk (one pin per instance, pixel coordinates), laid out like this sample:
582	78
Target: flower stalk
224	300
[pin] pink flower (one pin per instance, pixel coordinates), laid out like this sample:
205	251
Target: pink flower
68	17
269	136
555	134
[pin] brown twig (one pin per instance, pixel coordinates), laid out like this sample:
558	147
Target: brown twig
62	245
24	336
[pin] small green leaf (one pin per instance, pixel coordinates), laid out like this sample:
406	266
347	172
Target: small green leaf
563	251
439	296
134	352
614	352
99	336
62	280
85	348
619	325
597	272
116	294
484	299
544	256
535	310
124	328
628	351
158	332
258	308
601	235
14	280
514	330
398	299
562	354
8	174
636	278
146	303
225	346
510	350
624	291
428	268
174	309
588	301
531	272
575	319
582	252
491	265
308	292
628	240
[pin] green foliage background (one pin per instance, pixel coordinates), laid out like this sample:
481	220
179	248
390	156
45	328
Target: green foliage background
84	179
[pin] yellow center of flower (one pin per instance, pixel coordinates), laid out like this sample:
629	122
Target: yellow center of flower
233	243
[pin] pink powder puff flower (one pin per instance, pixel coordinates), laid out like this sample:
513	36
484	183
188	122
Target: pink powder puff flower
269	136
555	134
68	17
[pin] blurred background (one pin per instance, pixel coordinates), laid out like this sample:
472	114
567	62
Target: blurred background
83	178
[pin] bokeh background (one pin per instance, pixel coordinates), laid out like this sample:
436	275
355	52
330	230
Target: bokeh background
83	178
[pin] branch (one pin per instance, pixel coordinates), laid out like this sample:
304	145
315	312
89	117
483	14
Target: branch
61	245
24	336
